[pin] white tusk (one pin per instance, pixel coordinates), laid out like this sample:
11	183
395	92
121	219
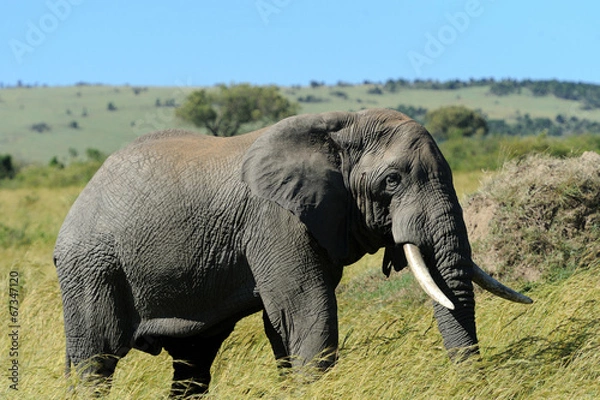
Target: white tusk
488	283
421	273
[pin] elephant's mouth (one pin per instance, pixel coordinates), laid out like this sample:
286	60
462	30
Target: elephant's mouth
480	277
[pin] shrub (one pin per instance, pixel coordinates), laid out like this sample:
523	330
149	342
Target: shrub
376	90
137	90
339	93
95	155
55	163
7	169
311	99
538	218
40	127
455	121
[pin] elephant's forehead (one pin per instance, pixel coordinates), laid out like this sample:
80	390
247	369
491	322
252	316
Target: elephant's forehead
406	147
402	151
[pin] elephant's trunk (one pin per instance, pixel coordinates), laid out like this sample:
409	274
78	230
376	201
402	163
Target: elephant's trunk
456	320
447	277
452	270
444	268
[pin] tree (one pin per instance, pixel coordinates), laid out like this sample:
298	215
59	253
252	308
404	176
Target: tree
455	121
223	111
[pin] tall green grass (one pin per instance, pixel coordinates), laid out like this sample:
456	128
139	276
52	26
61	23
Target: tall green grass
390	346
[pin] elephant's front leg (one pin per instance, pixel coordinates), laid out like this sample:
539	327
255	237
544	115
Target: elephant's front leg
301	322
279	348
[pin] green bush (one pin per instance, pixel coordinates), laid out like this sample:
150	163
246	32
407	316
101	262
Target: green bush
455	122
7	169
40	127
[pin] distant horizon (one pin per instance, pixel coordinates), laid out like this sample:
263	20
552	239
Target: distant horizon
366	81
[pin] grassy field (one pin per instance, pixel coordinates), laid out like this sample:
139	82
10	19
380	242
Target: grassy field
136	112
390	346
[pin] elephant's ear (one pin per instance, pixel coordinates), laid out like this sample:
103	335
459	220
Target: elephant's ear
297	164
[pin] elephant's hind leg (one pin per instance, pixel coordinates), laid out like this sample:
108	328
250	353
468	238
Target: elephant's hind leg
98	322
192	359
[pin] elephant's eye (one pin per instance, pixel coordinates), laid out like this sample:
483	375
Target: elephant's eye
392	181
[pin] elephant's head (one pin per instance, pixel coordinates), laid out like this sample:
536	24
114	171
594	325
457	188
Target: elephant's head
372	179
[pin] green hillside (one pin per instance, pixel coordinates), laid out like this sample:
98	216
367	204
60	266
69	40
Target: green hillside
99	128
78	116
501	107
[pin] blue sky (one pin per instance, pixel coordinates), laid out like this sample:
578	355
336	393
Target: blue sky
286	42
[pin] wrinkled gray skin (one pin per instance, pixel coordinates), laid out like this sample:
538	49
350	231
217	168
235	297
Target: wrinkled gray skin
179	236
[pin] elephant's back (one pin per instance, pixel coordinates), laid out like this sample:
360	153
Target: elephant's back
189	144
162	180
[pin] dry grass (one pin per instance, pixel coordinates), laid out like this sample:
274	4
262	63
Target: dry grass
539	218
390	346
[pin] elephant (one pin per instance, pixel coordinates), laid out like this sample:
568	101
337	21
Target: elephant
180	235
